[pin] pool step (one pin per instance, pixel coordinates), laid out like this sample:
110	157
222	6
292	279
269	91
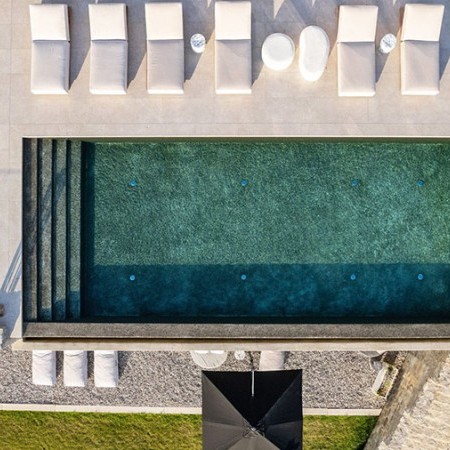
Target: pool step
59	229
52	230
29	247
44	234
74	167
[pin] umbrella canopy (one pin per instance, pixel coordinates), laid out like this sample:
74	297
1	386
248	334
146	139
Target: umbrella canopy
252	410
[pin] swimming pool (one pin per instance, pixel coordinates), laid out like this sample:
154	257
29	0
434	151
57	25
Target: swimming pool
260	232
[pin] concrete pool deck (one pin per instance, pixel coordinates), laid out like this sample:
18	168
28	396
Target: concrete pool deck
281	104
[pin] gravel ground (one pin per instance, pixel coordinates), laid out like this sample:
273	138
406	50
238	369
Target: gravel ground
330	380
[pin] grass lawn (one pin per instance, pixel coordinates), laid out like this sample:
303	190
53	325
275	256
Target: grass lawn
37	430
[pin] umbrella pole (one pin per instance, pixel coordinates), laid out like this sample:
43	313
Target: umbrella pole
253	382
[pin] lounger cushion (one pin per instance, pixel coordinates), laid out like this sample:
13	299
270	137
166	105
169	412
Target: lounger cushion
108	21
106	371
422	22
357	23
356	69
109	66
75	368
50	67
165	67
164	21
233	20
420	68
44	367
49	23
234	67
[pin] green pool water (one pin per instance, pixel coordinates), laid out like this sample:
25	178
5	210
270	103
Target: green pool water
272	231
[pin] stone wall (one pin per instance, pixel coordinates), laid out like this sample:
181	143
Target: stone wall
417	413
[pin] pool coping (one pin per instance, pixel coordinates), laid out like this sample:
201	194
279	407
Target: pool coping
179	345
90	330
181	337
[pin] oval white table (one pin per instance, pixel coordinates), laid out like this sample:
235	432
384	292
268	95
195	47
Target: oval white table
278	51
314	52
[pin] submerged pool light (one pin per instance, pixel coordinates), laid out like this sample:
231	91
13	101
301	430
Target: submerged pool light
420	277
243	277
353	277
420	183
132	277
133	183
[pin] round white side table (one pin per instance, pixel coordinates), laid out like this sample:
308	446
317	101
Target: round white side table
278	51
198	43
387	43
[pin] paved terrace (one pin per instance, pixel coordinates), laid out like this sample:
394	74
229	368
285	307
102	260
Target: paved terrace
282	104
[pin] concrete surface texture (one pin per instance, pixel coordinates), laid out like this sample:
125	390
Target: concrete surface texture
281	102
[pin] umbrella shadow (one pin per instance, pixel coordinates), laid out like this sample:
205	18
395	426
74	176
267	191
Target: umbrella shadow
198	17
10	297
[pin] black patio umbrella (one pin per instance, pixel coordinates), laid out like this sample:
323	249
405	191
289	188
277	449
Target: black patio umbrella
252	410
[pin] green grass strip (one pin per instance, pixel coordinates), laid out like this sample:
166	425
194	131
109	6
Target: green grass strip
42	430
337	432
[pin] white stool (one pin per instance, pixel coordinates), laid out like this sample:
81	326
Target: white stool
278	51
387	43
314	51
198	43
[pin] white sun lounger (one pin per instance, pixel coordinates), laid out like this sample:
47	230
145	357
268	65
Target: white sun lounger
165	48
109	48
209	359
420	49
106	370
50	49
44	367
233	47
75	368
272	360
356	50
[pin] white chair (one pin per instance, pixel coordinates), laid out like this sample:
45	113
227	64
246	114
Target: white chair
233	47
165	48
50	49
419	49
356	50
75	368
106	370
44	367
109	48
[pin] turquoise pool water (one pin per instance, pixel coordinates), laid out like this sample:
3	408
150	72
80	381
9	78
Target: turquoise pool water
272	231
